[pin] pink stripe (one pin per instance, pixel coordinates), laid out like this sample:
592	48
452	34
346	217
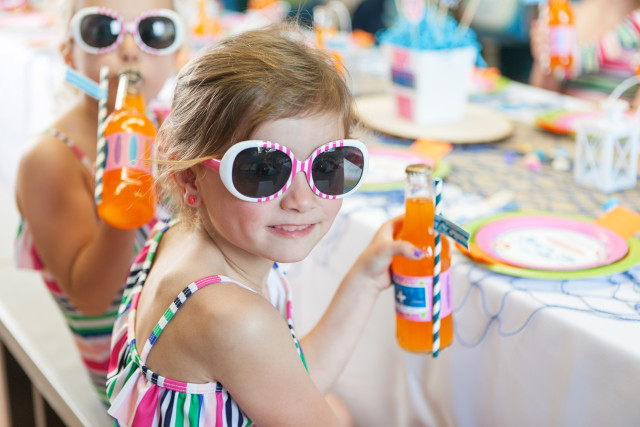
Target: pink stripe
146	409
101	366
175	385
207	280
634	20
134	300
289	310
117	347
208	416
53	287
219	408
37	263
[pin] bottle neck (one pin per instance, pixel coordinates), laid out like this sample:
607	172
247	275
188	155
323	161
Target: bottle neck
418	185
129	95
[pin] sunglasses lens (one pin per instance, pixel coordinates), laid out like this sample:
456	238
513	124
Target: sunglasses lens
157	32
99	31
338	171
261	172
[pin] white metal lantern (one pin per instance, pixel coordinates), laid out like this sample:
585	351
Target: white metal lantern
606	157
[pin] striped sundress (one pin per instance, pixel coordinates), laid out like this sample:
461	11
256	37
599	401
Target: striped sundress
91	334
607	61
140	397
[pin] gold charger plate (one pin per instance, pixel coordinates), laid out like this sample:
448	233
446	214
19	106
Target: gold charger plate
480	123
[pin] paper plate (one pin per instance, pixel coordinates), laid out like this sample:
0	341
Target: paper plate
387	168
543	242
629	260
564	122
480	123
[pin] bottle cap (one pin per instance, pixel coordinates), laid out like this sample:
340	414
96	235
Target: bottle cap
418	168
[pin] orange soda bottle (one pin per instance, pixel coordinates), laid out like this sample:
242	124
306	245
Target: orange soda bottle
562	35
413	279
128	194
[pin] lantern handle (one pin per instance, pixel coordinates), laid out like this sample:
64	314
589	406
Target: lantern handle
629	82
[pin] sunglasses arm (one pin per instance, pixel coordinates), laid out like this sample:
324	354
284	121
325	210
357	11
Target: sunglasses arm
213	164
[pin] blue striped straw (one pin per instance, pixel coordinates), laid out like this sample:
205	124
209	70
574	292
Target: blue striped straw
436	272
101	156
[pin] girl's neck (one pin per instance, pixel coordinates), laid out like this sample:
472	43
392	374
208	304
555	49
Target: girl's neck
247	268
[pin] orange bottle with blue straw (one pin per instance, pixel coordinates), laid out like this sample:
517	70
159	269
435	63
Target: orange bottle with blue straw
414	279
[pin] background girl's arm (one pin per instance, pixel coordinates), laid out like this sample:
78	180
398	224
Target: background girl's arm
89	259
332	341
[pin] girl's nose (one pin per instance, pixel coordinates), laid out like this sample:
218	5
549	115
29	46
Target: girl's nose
129	50
299	195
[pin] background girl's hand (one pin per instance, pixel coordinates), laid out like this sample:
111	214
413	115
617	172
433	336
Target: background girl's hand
375	261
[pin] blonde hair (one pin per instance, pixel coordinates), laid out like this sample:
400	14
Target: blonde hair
229	90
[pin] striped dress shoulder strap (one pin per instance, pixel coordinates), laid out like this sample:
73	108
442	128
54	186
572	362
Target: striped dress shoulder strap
74	148
186	293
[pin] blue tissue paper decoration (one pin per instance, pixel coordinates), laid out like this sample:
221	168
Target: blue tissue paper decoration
433	32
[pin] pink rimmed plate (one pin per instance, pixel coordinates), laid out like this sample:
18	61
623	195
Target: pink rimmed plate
551	243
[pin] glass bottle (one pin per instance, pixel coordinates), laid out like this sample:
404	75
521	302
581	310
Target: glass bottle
128	194
562	35
413	279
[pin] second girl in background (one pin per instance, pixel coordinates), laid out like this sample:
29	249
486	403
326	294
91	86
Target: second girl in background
85	261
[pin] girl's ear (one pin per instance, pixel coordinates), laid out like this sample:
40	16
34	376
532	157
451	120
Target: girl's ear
186	180
66	50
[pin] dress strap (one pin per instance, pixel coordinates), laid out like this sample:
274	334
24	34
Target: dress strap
76	150
177	303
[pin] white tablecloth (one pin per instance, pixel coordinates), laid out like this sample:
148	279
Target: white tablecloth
526	352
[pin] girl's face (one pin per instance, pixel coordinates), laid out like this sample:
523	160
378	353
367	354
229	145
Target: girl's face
155	69
287	228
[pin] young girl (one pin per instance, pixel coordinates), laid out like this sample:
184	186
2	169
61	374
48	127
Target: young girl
256	153
84	261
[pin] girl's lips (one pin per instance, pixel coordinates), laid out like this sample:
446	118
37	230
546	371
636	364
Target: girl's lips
292	230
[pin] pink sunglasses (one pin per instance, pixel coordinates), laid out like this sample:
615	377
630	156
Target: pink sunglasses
258	171
99	30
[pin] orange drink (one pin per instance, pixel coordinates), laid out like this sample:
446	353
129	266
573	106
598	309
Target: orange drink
128	193
413	279
562	35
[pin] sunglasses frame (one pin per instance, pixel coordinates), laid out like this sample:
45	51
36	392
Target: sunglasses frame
224	166
127	27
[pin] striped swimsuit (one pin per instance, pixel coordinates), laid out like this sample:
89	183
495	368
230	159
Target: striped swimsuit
140	397
91	334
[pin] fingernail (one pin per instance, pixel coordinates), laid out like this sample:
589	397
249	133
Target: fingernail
418	253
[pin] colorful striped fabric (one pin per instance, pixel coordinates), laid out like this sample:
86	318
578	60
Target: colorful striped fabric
606	62
140	397
91	334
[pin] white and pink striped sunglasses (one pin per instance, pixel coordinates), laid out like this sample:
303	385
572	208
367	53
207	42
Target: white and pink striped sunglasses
258	171
100	30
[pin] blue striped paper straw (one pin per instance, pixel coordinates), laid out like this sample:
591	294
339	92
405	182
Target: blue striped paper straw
101	156
436	273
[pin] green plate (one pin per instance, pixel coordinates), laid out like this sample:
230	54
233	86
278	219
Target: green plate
631	259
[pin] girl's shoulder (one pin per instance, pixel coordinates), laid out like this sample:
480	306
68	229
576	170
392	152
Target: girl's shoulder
49	166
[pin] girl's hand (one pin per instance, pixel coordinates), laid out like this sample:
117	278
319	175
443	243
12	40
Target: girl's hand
375	261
